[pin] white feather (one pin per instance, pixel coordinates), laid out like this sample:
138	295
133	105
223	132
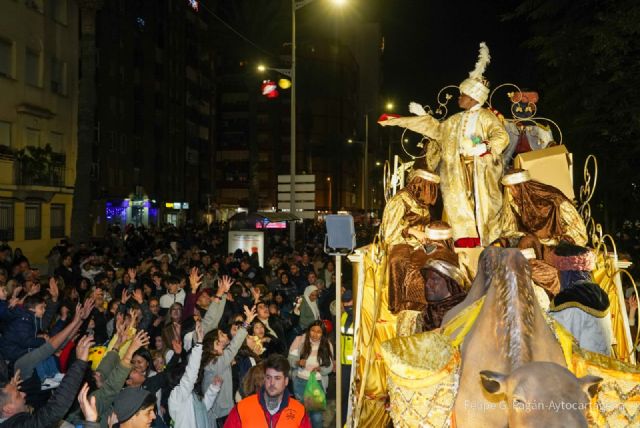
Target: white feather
483	59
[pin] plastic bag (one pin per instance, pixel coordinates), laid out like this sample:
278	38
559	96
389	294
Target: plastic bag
314	397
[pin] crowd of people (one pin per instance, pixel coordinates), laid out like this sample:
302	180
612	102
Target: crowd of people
163	327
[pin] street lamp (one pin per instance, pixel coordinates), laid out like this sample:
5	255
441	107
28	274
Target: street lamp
295	5
389	106
286	71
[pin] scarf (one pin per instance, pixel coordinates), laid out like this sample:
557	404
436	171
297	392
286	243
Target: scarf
312	305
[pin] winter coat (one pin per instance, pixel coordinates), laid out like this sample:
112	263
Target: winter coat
19	335
185	407
58	405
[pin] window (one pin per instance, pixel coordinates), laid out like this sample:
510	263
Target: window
113	141
32	136
6	220
59	11
57	221
56	141
5	134
6	58
32	66
32	221
58	76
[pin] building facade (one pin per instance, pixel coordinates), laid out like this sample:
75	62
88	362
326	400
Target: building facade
38	127
154	116
252	135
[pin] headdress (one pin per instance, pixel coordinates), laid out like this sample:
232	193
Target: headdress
528	253
425	175
516	178
476	86
449	270
438	234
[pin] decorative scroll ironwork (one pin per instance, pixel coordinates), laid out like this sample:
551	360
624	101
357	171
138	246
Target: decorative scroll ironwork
603	243
441	111
533	119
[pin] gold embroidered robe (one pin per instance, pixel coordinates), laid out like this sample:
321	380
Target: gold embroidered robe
471	212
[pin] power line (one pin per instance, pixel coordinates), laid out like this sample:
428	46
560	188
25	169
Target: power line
237	33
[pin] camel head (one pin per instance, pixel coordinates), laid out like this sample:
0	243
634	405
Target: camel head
542	394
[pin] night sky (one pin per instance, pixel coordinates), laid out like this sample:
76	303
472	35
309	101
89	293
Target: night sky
431	44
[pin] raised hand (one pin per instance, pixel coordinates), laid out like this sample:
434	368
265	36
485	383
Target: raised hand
16	291
35	289
176	345
14	297
134	315
199	332
217	381
138	296
194	279
88	405
255	292
87	307
77	314
417	109
140	340
249	314
82	348
16	380
224	284
53	289
121	329
124	298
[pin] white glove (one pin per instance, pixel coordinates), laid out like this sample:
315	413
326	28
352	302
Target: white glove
417	109
478	149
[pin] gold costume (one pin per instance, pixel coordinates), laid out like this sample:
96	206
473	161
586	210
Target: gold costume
470	184
568	222
406	255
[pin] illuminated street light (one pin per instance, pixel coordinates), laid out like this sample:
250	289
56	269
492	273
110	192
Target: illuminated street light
295	5
389	106
378	163
262	68
350	141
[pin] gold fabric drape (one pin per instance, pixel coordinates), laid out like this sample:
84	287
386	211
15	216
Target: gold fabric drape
400	213
467	217
377	324
569	223
405	256
603	278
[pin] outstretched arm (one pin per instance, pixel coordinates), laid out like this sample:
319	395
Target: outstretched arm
426	125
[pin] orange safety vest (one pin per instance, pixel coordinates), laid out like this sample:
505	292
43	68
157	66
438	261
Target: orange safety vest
252	414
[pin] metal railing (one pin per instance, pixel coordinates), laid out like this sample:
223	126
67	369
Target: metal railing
49	175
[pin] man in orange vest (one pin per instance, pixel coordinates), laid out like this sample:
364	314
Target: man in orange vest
273	406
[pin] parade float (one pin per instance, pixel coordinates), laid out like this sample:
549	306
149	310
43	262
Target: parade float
464	364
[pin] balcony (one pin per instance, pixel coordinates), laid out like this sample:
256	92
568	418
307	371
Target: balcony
39	167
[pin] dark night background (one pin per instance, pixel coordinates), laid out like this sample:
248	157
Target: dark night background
583	57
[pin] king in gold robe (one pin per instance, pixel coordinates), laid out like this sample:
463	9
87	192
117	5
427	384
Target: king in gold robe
466	151
405	216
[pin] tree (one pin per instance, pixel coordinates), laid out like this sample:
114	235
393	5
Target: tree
588	58
81	219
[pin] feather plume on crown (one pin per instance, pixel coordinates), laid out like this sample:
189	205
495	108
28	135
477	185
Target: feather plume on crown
483	59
